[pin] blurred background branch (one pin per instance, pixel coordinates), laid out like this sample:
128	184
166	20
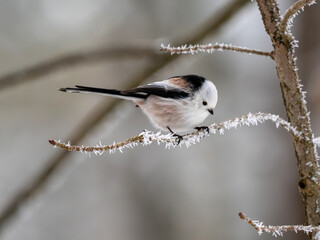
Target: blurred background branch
74	60
209	27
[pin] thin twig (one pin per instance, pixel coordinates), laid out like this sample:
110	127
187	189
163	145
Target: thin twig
72	60
211	26
278	230
292	12
170	140
210	48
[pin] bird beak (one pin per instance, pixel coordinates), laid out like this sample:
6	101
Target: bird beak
210	111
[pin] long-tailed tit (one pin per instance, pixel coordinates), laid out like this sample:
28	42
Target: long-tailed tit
176	104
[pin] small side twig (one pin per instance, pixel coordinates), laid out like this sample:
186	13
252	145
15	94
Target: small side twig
171	141
210	48
278	231
291	12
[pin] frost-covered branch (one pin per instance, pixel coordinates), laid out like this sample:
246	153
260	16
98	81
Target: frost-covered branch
210	48
278	231
292	12
171	141
295	104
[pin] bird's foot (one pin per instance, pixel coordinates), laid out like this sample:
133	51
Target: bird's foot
177	136
204	128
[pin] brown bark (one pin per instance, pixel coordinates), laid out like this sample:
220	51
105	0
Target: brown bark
296	110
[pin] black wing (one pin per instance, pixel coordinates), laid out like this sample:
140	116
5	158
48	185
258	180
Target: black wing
159	89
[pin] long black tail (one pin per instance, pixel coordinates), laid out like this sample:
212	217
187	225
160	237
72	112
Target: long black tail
105	92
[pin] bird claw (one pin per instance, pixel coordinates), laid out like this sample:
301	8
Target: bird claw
178	137
204	128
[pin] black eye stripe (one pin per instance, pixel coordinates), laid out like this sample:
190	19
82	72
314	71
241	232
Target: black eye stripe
204	103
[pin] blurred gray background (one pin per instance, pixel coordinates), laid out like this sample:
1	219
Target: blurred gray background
148	192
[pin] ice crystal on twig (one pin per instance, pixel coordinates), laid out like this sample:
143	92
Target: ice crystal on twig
171	141
316	141
210	48
278	231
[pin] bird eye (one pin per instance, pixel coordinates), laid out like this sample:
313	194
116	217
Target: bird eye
204	103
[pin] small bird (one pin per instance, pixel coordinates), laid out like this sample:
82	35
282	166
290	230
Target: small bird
177	104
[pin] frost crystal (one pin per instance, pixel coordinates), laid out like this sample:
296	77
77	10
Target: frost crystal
316	141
